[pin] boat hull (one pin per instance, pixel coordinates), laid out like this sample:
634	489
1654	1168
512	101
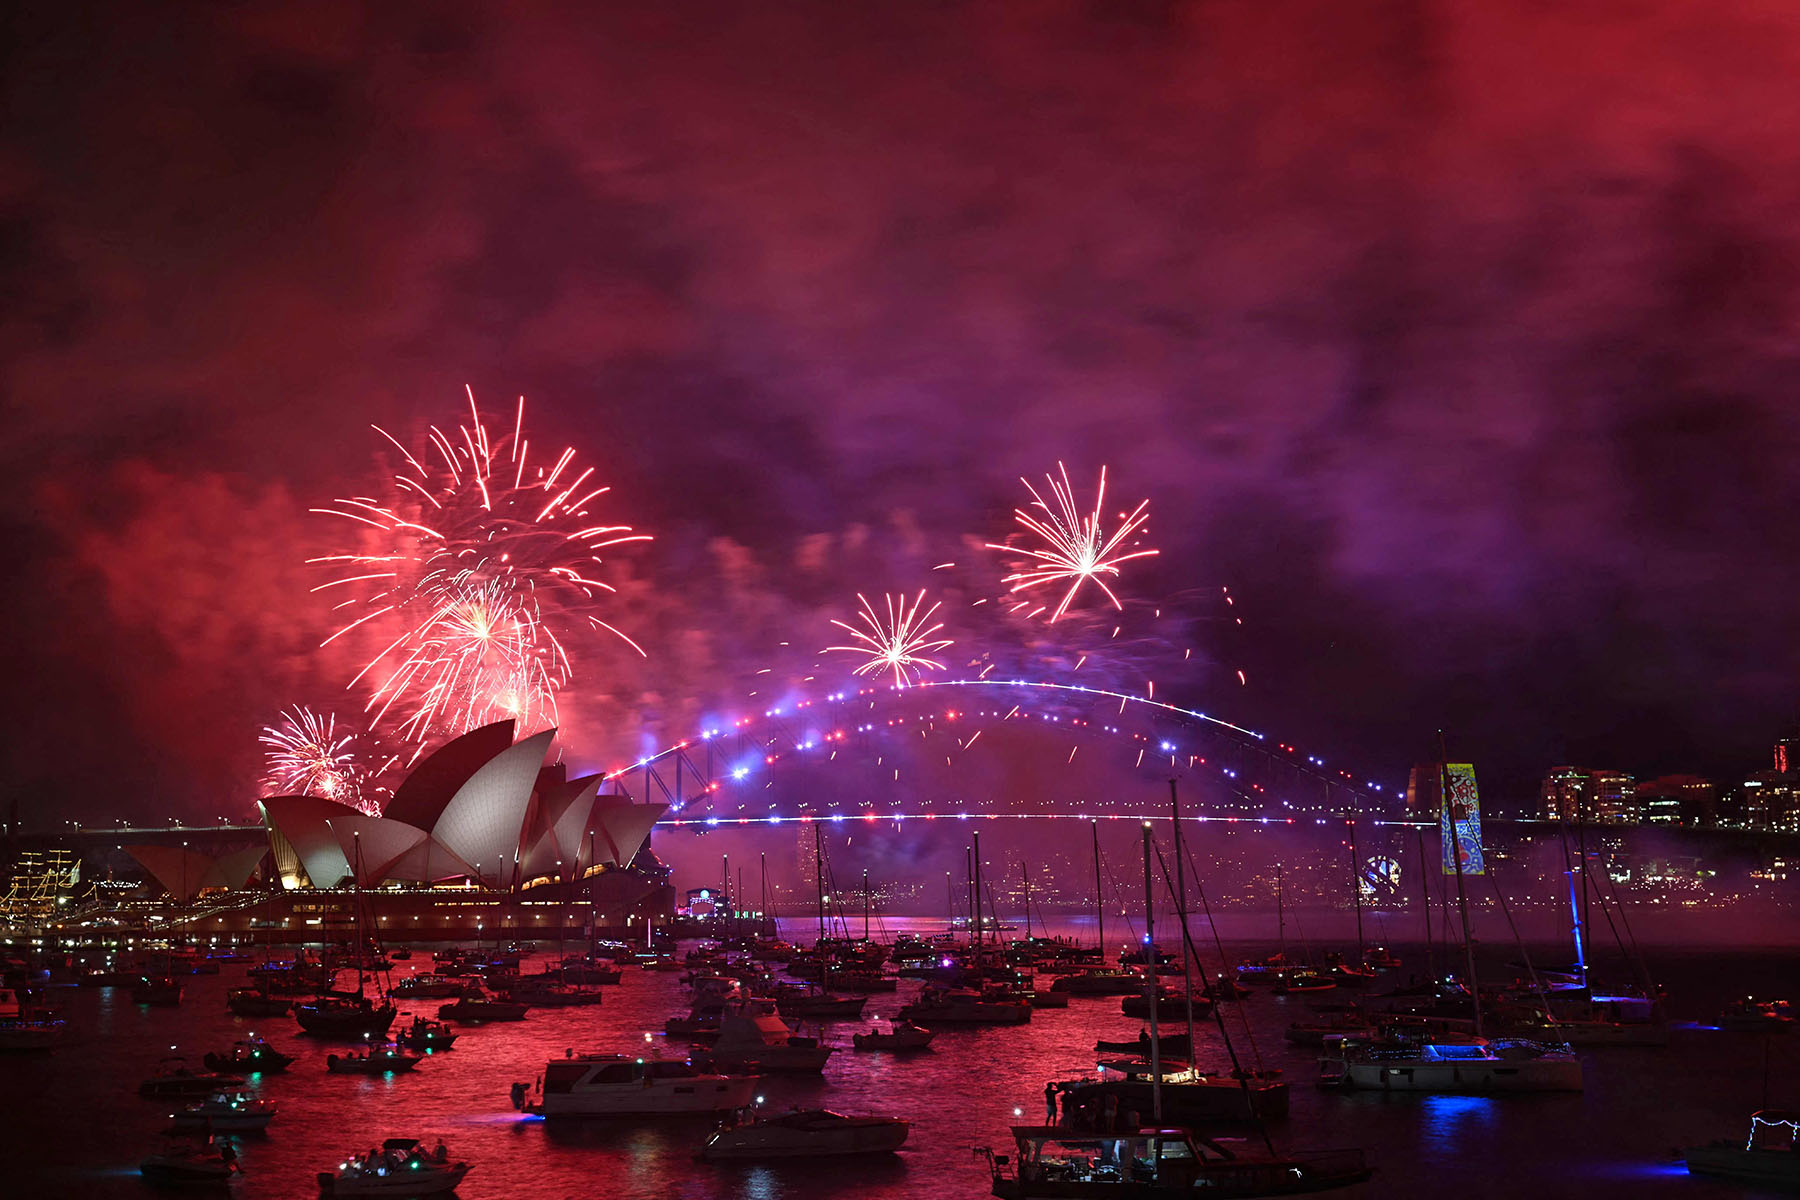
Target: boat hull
1766	1168
635	1100
763	1142
1559	1075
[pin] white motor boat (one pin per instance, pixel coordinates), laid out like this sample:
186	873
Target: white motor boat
616	1085
814	1133
753	1039
1769	1159
229	1110
402	1167
1388	1065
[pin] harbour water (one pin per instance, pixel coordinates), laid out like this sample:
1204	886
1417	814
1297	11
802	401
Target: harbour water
76	1127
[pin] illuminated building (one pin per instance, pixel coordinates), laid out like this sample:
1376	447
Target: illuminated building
1424	790
1576	794
1685	800
1772	801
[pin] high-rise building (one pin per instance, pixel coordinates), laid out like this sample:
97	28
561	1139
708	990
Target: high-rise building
1424	791
1561	797
1772	801
1577	794
1686	800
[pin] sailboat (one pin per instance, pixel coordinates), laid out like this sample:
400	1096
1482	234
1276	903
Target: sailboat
1397	1062
1130	1162
347	1014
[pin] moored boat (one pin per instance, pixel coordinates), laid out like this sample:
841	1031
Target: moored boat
475	1006
753	1039
813	1133
344	1015
161	991
427	1036
251	1002
173	1078
615	1085
901	1035
952	1006
184	1162
402	1167
388	1059
249	1057
1405	1065
228	1110
1769	1159
1158	1164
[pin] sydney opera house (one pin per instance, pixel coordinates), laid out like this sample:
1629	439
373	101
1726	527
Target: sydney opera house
482	837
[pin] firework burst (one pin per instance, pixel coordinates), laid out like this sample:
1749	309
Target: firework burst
485	562
901	643
305	755
1075	548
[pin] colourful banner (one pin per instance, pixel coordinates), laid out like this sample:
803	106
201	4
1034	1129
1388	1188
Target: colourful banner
1460	821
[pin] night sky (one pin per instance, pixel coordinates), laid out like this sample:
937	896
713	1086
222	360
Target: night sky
1457	340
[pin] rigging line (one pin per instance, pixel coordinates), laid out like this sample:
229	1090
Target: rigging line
1224	963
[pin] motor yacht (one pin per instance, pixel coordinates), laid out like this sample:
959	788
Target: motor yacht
173	1078
228	1110
950	1006
541	991
1405	1065
401	1168
899	1036
249	1002
388	1059
753	1039
1158	1164
615	1085
814	1133
1170	1006
1769	1159
252	1056
428	987
186	1162
475	1006
818	1006
1100	981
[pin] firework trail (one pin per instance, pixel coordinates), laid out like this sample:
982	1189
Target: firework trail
486	563
1075	548
900	643
304	755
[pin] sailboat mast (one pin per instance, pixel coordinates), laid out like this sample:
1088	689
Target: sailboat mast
819	873
865	904
1099	897
1462	898
1280	919
1150	985
1362	950
1425	901
1025	878
977	878
1187	959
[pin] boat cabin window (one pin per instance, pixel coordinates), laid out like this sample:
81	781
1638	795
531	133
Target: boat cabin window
666	1070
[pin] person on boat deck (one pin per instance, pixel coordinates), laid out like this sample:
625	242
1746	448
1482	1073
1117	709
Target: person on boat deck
1112	1113
439	1154
1050	1103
